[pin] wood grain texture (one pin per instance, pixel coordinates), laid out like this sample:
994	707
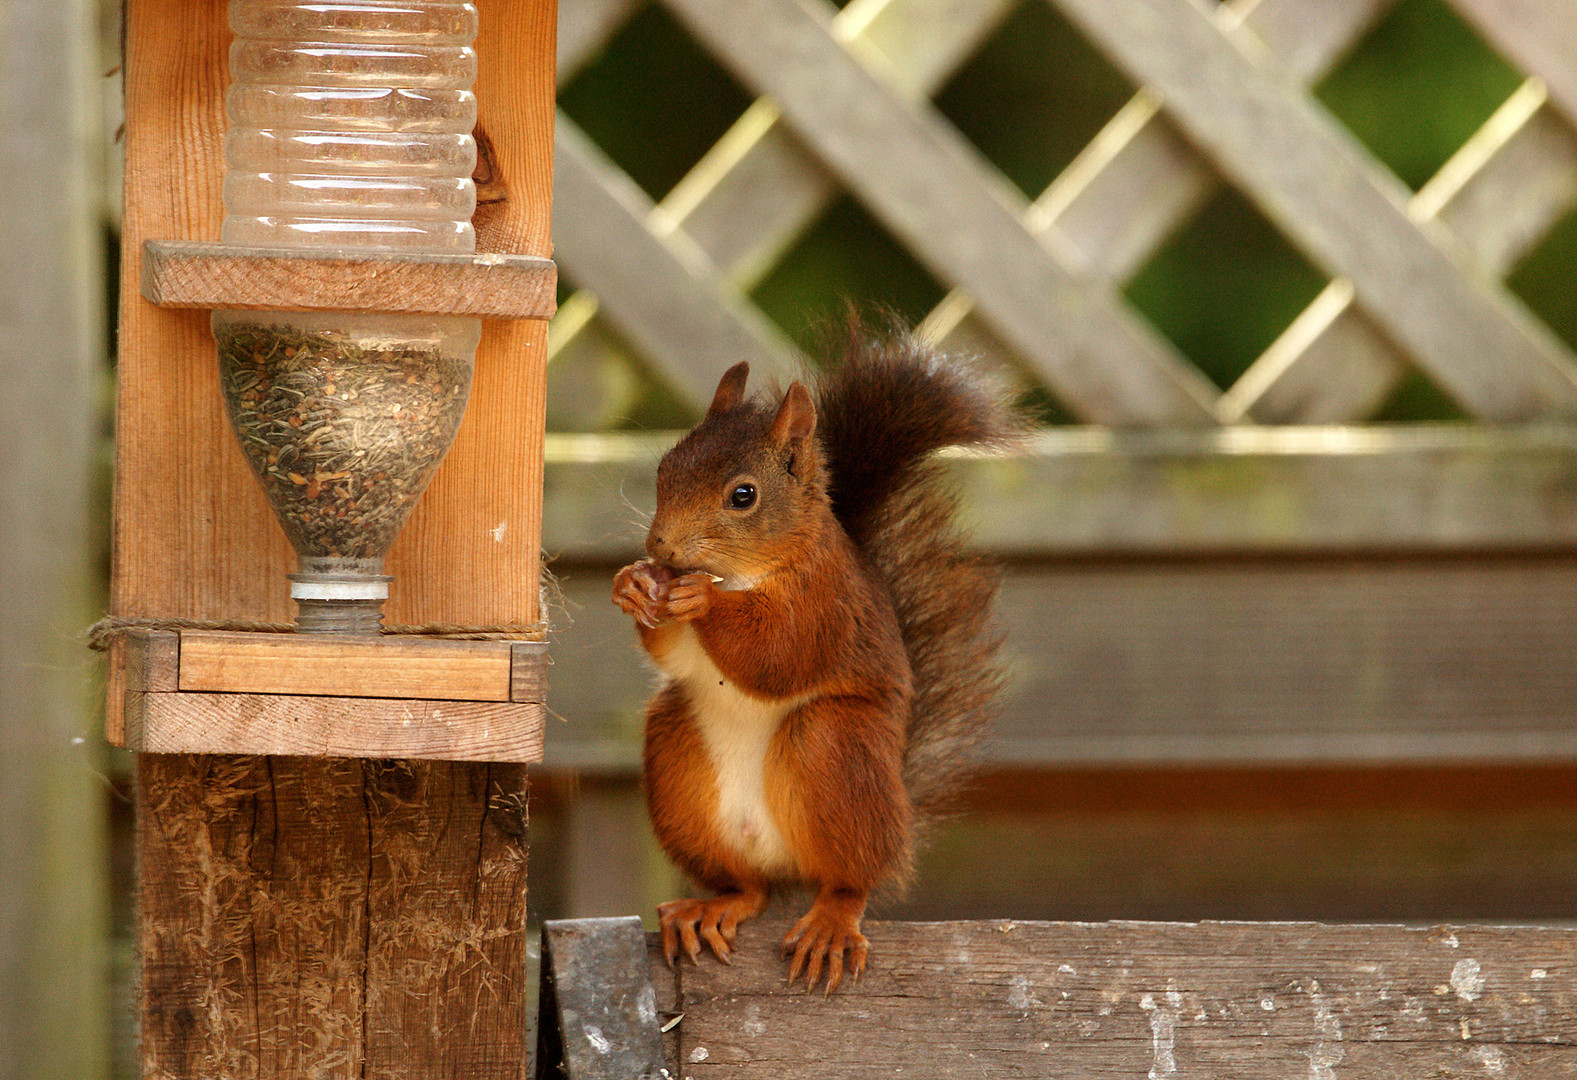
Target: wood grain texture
923	181
324	726
1075	1000
385	667
202	275
1326	193
331	918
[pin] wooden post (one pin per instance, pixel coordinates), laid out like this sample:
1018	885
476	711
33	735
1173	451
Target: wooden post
322	916
52	877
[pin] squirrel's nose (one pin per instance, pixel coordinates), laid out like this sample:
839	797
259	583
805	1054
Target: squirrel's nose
659	548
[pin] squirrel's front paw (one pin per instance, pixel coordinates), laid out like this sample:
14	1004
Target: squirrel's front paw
641	589
690	597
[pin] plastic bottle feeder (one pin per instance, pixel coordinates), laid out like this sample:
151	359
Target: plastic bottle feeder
350	132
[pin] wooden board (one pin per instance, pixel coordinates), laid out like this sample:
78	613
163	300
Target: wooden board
1076	1000
322	726
331	918
202	275
387	667
1170	662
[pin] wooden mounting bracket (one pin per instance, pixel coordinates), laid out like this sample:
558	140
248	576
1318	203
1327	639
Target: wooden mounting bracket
226	692
198	274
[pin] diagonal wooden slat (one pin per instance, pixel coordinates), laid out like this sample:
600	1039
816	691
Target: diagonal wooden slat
1498	194
1540	36
1139	178
758	188
674	309
1327	194
920	177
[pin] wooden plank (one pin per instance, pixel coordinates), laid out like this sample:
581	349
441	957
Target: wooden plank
1499	194
1064	1000
670	303
1539	36
153	660
1479	343
471	553
1420	660
331	917
382	667
323	726
921	178
1078	493
203	275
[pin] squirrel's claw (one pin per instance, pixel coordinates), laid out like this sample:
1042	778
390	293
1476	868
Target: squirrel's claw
829	935
687	923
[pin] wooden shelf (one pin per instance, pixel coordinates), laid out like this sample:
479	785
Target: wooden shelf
195	274
213	692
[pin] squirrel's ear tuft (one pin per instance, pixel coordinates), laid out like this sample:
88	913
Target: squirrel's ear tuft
796	418
730	388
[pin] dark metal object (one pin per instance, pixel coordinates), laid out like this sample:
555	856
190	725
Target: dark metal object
598	1008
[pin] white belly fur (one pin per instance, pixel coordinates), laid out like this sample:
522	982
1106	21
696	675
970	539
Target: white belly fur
737	730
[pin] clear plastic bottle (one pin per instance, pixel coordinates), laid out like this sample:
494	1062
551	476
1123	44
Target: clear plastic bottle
350	131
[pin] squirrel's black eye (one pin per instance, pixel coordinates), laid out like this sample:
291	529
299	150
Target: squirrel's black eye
743	497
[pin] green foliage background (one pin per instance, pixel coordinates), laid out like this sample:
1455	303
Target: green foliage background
1223	287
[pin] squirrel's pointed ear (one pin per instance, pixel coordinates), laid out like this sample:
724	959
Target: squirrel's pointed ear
730	388
796	418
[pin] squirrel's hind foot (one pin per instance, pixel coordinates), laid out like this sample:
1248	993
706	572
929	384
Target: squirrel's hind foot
830	933
687	923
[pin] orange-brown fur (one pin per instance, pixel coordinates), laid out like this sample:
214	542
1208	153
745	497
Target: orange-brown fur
803	639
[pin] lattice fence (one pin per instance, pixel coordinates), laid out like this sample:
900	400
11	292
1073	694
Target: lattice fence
1414	277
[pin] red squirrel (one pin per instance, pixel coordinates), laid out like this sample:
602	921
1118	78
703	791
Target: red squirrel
823	640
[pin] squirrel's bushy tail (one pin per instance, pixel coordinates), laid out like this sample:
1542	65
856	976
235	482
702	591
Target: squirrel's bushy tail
884	405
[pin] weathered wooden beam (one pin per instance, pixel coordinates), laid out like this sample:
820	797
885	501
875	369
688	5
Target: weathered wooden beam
331	917
1006	998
